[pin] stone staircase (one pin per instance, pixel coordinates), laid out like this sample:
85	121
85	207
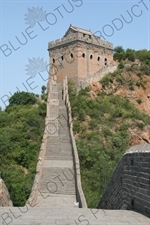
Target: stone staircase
57	184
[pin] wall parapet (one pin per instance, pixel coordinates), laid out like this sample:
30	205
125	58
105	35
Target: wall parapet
4	195
84	82
129	186
79	37
79	192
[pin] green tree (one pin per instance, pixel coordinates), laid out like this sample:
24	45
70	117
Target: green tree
43	89
130	54
22	98
119	53
21	131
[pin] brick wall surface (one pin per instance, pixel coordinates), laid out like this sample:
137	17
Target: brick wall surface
129	186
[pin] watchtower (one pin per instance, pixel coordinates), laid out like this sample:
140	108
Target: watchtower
79	55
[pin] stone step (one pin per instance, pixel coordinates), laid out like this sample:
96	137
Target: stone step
57	180
53	187
63	123
52	172
60	147
61	101
57	183
56	140
57	153
54	200
59	156
58	163
63	114
69	216
52	152
68	157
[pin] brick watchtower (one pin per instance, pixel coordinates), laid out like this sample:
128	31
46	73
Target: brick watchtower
79	55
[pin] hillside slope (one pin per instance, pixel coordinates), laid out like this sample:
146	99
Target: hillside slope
110	116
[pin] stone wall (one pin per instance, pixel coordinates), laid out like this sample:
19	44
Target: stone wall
97	76
129	186
4	195
79	192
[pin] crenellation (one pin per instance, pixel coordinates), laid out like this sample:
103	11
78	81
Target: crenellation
94	41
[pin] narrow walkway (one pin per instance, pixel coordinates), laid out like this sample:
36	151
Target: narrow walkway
57	184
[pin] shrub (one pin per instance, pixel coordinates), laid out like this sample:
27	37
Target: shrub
121	64
76	126
140	125
106	80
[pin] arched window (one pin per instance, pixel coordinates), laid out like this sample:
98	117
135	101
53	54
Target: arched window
71	55
98	58
53	60
83	55
91	56
62	57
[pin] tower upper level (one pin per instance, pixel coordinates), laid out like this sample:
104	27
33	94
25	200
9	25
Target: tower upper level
75	34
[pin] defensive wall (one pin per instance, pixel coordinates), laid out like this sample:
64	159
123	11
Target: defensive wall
79	192
129	186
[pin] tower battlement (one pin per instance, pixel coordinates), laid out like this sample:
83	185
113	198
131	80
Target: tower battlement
81	37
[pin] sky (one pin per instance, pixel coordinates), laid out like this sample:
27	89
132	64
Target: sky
26	27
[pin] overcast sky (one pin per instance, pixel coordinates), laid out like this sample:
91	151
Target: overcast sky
26	27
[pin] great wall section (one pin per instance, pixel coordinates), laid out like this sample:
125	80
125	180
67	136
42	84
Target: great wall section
58	180
57	196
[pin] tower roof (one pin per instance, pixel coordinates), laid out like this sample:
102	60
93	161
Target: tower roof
77	29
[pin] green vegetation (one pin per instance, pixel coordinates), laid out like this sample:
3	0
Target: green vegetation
131	55
22	98
101	130
101	125
21	131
